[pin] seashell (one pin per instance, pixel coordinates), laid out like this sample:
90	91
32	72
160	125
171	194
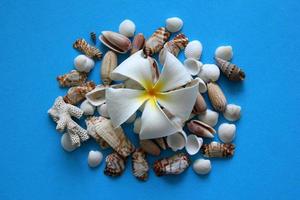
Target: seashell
202	166
132	84
174	24
193	50
66	143
217	150
93	37
200	105
193	144
224	52
137	125
99	140
131	119
216	96
89	50
115	137
155	43
226	132
232	112
73	78
177	141
161	143
109	63
209	72
154	69
172	166
231	71
115	165
87	108
77	94
202	86
193	66
137	43
150	147
115	41
201	129
94	158
83	63
102	110
209	117
127	28
140	165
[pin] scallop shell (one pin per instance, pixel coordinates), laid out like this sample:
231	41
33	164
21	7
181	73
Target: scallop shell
226	132
138	43
193	50
84	63
115	165
224	52
217	150
156	42
140	165
150	147
201	129
87	49
127	28
193	66
193	144
231	71
177	141
109	63
73	78
76	94
232	112
200	105
216	96
209	72
202	166
209	117
174	24
115	41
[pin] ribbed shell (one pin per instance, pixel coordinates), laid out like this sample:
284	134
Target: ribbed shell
73	78
218	150
216	96
138	43
109	63
89	50
140	165
231	71
77	94
178	43
156	42
115	165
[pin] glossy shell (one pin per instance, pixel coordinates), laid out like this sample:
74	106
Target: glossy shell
137	43
209	72
201	129
231	71
115	41
232	112
193	50
115	165
76	94
224	52
226	132
83	63
174	24
200	105
209	117
140	165
216	96
109	63
202	166
156	42
150	147
94	158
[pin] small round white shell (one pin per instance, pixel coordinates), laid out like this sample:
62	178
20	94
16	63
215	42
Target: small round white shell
193	66
193	144
66	143
137	125
209	72
224	52
102	110
83	63
127	28
193	50
174	24
94	158
177	141
226	132
232	112
87	108
202	166
209	117
131	118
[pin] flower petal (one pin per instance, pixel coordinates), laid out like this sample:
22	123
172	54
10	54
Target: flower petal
122	103
180	102
173	74
155	123
137	68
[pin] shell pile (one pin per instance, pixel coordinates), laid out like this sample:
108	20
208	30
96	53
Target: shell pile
203	119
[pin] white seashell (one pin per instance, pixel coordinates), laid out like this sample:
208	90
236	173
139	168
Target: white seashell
94	158
193	66
137	125
177	141
131	119
96	97
209	117
226	132
132	84
193	144
127	28
83	63
202	86
209	72
224	52
193	50
174	24
87	108
202	166
232	112
66	143
102	110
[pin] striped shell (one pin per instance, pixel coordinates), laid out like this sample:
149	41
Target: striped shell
73	78
231	71
138	43
217	150
216	96
201	129
115	41
115	165
156	42
77	94
109	63
140	165
89	50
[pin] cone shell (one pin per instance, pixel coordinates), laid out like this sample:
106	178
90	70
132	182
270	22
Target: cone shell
218	150
201	129
172	165
115	41
115	165
140	165
231	71
138	43
150	147
155	43
77	94
109	63
73	78
216	96
87	49
200	105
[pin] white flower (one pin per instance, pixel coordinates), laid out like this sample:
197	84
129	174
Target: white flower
122	103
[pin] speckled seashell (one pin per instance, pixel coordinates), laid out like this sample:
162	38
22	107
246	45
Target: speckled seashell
161	143
83	63
232	112
76	94
172	166
140	165
217	150
137	125
209	117
193	50
201	129
224	52
150	147
115	137
89	50
127	28
209	72
73	78
115	165
137	43
231	71
115	41
200	105
216	96
109	63
94	158
174	24
156	42
102	110
87	108
226	132
202	166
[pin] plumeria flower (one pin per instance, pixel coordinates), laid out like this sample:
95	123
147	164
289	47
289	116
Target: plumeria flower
167	92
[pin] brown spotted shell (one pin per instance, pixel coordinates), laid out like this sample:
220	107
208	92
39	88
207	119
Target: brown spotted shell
109	63
217	150
115	165
89	50
77	94
140	165
216	96
201	129
138	43
200	105
156	42
231	71
73	78
115	41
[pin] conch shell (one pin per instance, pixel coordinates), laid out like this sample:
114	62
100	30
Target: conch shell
73	78
109	63
115	41
89	50
77	94
138	43
115	165
140	165
155	43
217	150
231	71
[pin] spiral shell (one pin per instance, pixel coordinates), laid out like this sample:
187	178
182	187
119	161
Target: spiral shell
231	71
73	78
115	165
140	165
217	150
109	63
216	96
89	50
155	43
77	94
115	41
138	43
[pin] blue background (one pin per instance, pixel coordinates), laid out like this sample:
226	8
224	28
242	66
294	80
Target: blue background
36	46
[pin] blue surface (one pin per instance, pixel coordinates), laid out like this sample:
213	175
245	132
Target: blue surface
36	45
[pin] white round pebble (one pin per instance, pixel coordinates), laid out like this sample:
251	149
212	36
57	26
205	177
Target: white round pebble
202	166
209	117
102	110
224	52
226	132
174	24
66	143
87	108
193	50
83	63
131	119
209	72
137	125
127	28
94	158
